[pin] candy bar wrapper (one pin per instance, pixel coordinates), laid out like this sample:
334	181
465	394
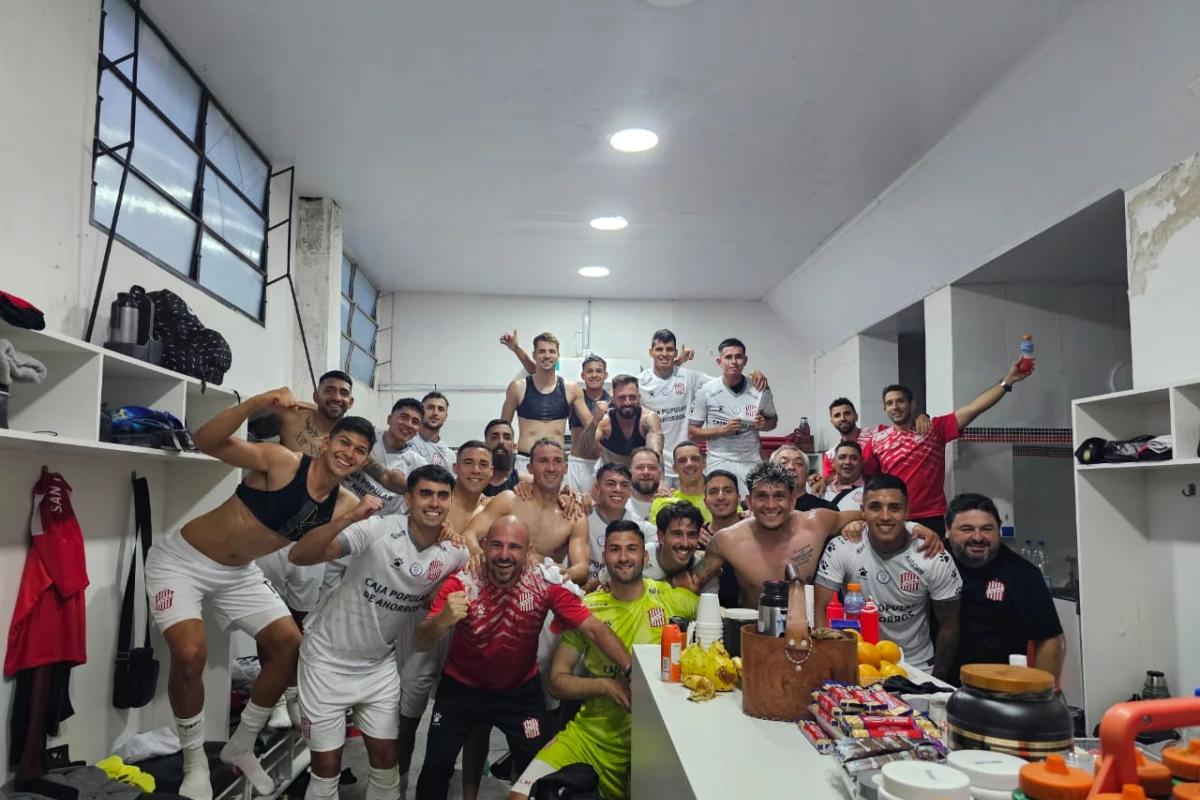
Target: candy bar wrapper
893	705
844	697
867	702
859	766
854	749
816	736
878	722
826	721
827	702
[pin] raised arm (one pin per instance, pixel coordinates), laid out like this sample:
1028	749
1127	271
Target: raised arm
434	626
512	399
391	479
652	430
597	429
946	646
578	401
268	426
967	414
218	437
321	544
509	340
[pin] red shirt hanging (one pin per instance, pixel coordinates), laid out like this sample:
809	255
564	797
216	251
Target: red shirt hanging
49	620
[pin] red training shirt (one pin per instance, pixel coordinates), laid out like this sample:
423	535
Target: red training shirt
495	646
49	623
919	461
863	435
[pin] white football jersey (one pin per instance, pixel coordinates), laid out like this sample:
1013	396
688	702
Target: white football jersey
671	397
716	404
597	527
381	596
406	459
437	453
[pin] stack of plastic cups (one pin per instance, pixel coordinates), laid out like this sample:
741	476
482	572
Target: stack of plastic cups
708	625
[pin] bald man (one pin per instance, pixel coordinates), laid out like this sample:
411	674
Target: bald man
491	674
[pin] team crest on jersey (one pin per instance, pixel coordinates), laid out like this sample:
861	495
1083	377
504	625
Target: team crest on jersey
162	600
435	570
525	602
909	582
994	591
397	563
658	618
883	576
416	569
680	388
751	410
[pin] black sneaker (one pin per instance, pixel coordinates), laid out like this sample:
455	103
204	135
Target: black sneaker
502	769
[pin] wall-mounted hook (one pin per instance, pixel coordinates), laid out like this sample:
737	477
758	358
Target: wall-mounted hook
1190	491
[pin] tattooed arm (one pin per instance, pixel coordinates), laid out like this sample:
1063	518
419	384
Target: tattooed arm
708	568
652	430
391	479
599	428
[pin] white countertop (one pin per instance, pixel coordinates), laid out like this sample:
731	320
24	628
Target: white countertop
712	750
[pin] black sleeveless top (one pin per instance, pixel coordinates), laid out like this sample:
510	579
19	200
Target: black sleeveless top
616	441
550	406
575	421
289	511
510	483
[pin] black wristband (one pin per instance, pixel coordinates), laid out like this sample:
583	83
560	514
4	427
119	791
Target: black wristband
1007	386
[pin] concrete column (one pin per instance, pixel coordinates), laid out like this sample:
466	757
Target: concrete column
317	273
878	367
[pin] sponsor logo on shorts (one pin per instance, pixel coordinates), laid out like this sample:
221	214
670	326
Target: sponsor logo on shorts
532	728
416	569
909	582
658	618
306	727
435	570
162	600
994	591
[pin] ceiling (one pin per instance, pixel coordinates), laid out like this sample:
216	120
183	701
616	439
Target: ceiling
1086	247
466	139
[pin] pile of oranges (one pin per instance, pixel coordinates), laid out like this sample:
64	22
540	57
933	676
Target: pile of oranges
878	662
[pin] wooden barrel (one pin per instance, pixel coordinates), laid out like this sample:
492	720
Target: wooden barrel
779	673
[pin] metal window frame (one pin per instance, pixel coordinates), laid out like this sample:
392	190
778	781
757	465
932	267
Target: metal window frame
197	144
350	322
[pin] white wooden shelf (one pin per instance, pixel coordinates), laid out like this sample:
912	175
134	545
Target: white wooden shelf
26	440
1142	466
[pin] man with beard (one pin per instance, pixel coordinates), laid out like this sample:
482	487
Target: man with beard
844	418
303	428
395	451
758	548
429	444
491	675
581	463
920	461
903	585
356	646
210	561
689	464
721	499
636	608
729	414
1005	602
543	401
794	460
646	467
625	427
612	483
668	390
500	440
845	490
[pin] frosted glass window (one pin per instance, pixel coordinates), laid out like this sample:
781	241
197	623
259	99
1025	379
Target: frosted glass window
234	156
147	218
345	352
118	29
345	320
347	270
231	218
362	366
230	277
364	293
362	330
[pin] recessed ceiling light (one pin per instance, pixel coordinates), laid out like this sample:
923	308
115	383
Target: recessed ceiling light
669	3
633	140
610	223
593	272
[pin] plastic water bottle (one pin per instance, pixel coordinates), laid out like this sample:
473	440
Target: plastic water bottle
1026	362
1039	561
853	601
1027	551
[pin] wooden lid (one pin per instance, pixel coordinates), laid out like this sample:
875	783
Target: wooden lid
1006	678
1054	780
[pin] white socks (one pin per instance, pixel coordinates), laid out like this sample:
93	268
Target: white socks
239	750
196	783
324	788
384	784
292	697
279	716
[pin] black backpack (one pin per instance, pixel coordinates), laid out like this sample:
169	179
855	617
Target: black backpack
188	347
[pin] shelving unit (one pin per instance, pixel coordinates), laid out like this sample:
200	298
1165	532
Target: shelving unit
57	423
1138	530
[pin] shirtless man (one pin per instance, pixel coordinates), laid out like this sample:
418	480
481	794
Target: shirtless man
429	442
624	428
302	428
542	402
759	547
211	560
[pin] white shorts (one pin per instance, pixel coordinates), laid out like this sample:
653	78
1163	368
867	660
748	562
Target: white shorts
547	642
179	577
520	464
739	468
300	587
325	697
419	673
581	473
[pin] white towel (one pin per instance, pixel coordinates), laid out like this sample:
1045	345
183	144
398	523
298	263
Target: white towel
18	366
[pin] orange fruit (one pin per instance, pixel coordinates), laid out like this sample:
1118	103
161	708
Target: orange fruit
891	670
867	654
867	675
888	651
